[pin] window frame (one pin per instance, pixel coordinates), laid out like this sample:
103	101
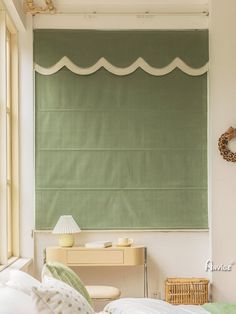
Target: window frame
9	142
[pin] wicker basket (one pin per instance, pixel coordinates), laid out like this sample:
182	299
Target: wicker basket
187	290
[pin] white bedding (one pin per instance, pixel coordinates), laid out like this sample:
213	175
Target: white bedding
150	306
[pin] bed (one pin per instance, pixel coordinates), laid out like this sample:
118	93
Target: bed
153	306
132	305
21	293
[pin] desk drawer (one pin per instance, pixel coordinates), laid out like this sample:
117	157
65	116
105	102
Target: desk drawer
95	257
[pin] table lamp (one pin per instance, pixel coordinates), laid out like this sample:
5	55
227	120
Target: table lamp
66	227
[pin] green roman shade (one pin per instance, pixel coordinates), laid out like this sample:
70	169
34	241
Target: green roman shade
121	152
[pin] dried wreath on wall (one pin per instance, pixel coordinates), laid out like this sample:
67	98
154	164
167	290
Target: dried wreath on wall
223	144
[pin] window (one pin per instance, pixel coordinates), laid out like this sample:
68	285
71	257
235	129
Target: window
9	187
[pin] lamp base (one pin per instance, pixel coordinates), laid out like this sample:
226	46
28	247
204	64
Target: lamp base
66	240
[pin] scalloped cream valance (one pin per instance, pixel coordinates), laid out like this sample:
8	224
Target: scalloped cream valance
139	63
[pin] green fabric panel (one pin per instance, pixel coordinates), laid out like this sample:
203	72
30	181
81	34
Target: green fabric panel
121	152
118	169
62	272
220	308
85	47
139	97
124	209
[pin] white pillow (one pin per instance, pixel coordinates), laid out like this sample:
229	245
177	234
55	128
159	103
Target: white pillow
55	296
22	281
13	301
4	275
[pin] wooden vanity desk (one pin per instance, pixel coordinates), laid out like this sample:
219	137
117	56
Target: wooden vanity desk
111	256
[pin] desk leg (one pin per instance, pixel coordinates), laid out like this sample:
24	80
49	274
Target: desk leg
145	274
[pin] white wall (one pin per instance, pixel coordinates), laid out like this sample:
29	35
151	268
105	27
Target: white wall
127	21
169	253
222	116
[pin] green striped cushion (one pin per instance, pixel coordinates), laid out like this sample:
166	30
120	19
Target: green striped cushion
61	272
